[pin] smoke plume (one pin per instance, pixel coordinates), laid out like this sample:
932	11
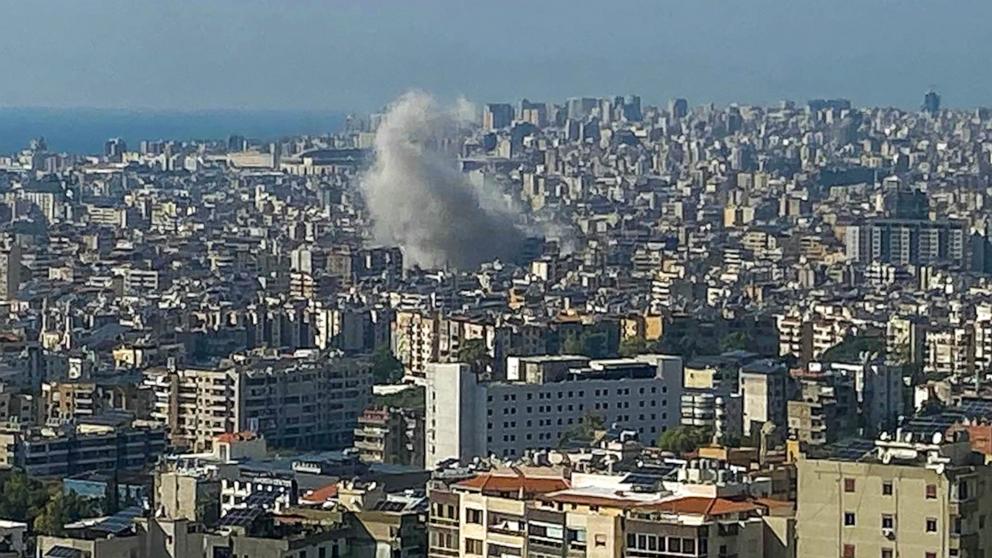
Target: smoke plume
421	201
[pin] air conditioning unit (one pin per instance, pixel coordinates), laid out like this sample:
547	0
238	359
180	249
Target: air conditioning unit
889	533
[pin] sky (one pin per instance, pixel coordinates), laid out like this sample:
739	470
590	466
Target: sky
357	55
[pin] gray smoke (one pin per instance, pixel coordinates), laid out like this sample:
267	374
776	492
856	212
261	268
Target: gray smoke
421	201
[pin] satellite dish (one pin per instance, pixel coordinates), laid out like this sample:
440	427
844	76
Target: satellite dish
937	438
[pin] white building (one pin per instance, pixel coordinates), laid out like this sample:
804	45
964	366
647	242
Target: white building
543	398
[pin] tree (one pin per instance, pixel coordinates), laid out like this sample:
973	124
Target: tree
683	439
736	341
584	432
413	397
475	353
21	497
63	507
850	349
587	343
386	368
633	346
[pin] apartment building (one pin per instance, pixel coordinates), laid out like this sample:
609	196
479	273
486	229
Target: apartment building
535	513
65	401
903	497
43	452
196	405
795	334
308	400
909	242
391	435
542	399
764	387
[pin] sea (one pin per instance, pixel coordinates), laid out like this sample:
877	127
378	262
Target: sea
84	130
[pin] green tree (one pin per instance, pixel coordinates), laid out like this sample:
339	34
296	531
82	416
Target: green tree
683	439
735	341
587	343
849	350
584	432
386	368
62	508
633	346
413	397
475	353
21	497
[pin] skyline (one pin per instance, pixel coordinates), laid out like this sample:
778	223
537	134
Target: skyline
356	58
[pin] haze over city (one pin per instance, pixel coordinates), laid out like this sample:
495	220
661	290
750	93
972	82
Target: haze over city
356	56
544	279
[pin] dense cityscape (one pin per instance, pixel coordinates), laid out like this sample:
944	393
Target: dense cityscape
548	329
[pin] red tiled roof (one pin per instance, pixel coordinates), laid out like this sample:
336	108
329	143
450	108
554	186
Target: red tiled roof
699	505
494	483
322	494
591	500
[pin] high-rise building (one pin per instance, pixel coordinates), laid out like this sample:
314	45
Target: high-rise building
306	402
632	108
678	108
496	116
543	398
10	271
931	103
114	149
908	242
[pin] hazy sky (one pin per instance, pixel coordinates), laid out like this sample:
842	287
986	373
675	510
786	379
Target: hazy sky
358	54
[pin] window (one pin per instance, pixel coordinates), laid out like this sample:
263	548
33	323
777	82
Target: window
931	492
600	540
848	485
849	519
931	525
848	551
887	488
473	546
887	521
886	553
931	555
473	516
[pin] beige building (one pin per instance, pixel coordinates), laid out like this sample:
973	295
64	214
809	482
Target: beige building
902	498
308	400
536	513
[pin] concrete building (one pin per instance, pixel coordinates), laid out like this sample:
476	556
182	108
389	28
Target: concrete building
903	497
391	435
10	271
878	390
908	242
543	398
496	116
84	448
304	401
532	512
764	386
